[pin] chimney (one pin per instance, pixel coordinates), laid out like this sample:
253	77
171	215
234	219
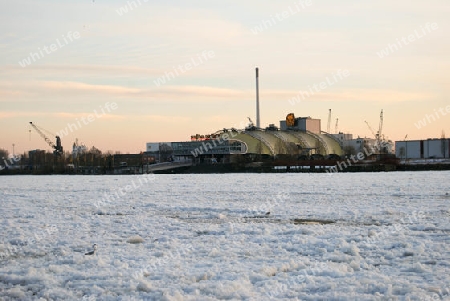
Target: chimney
257	98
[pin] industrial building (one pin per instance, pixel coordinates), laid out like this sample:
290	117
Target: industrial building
423	149
297	137
352	145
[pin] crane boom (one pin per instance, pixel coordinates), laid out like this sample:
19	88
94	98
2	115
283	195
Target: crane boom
49	142
380	127
57	148
378	134
370	128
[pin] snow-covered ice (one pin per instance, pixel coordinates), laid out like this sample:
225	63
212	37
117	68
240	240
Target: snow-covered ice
346	236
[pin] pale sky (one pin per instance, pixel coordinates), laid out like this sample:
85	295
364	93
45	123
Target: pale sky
90	56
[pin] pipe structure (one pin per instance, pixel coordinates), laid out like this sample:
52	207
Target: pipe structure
257	99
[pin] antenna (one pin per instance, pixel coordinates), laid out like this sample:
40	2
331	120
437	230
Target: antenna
257	98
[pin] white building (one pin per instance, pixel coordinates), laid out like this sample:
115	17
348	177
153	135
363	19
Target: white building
358	145
423	149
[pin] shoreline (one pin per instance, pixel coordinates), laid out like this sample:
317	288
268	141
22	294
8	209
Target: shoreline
236	168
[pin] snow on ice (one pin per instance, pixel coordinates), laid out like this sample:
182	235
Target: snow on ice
353	236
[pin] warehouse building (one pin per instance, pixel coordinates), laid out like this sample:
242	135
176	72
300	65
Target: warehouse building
423	149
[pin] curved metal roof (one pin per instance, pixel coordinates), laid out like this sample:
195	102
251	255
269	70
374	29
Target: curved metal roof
281	142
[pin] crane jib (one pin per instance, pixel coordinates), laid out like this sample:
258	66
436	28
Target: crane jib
58	147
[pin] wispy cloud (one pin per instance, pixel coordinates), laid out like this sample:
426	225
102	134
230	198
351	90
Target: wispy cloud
59	115
84	87
195	94
86	70
69	115
16	114
161	118
342	94
52	90
375	95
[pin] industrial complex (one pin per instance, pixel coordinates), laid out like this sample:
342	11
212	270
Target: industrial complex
299	140
295	138
296	142
299	137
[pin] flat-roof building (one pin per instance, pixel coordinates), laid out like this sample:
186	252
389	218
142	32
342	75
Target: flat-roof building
423	149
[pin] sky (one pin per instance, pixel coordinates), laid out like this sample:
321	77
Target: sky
118	74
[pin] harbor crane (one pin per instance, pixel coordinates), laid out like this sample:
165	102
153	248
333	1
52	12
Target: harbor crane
380	127
378	135
57	148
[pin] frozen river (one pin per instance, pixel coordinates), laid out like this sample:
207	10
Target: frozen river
345	236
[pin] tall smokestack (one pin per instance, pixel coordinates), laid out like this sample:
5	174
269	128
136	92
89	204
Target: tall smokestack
257	98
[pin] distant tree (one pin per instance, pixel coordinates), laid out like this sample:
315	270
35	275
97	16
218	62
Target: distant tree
93	157
95	151
3	153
